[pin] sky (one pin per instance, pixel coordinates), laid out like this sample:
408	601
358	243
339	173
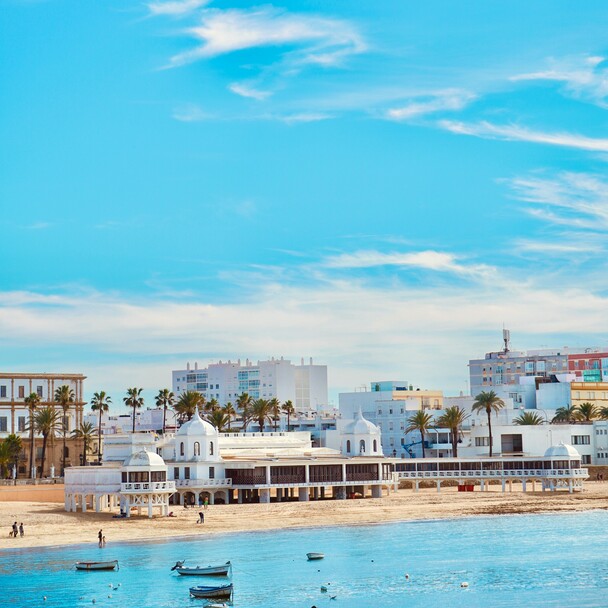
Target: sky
381	186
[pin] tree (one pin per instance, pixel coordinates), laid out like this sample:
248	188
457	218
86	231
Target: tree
187	404
587	412
275	408
453	418
230	412
565	414
5	459
488	402
32	402
244	403
134	400
47	422
604	413
85	432
288	409
219	419
100	403
14	446
421	422
211	406
64	397
165	399
261	411
528	419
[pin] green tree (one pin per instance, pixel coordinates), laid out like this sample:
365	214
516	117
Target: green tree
244	403
587	412
86	433
289	410
421	422
604	413
134	400
165	399
32	402
64	397
453	418
188	403
261	411
47	421
528	419
212	406
275	408
14	446
219	419
100	403
488	402
230	412
5	459
565	414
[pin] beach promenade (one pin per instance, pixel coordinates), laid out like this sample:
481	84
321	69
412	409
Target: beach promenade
47	524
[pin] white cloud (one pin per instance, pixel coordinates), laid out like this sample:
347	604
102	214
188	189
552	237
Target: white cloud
244	90
176	8
488	130
305	117
190	113
450	100
322	40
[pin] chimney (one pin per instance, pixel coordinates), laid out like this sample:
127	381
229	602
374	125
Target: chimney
188	366
196	365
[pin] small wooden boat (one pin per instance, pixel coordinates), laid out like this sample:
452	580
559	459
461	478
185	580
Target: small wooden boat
111	565
218	591
223	570
312	556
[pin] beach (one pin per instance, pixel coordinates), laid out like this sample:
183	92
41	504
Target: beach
47	524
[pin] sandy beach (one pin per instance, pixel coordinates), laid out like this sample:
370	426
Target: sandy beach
47	524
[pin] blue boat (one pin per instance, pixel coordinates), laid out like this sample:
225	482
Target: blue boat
217	591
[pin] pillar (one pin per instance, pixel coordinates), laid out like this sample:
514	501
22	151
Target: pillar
315	493
523	485
83	497
128	508
323	492
303	494
510	485
150	507
416	486
211	498
240	496
377	491
264	495
482	485
504	485
97	499
438	486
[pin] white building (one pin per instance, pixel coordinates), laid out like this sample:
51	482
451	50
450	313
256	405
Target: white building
305	385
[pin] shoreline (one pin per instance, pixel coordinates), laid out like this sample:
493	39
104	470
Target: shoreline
48	525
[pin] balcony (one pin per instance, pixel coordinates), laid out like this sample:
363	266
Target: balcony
203	483
147	486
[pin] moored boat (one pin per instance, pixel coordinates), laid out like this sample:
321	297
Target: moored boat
109	565
223	570
313	556
212	592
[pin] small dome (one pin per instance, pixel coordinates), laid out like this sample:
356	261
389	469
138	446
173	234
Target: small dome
361	426
144	459
196	426
562	450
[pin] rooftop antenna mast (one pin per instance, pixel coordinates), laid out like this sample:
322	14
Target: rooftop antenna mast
506	338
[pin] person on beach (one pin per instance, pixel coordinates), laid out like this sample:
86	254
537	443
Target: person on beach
15	530
206	503
21	529
201	518
100	537
103	541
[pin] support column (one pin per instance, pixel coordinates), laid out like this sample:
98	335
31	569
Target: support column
315	493
504	485
150	507
438	486
482	485
303	495
83	497
416	486
265	495
323	492
128	508
240	496
97	499
523	485
510	485
377	491
211	498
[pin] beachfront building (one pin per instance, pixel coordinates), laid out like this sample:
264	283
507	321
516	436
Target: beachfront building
305	385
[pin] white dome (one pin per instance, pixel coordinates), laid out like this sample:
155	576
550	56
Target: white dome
196	426
562	450
361	426
144	459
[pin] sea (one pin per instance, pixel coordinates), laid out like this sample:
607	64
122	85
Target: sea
516	560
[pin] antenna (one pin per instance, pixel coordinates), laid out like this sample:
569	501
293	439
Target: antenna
506	338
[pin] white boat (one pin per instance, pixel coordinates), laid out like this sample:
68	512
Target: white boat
223	570
110	565
218	591
313	556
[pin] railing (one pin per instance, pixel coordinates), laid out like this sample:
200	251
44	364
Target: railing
504	474
361	476
274	479
325	478
148	486
196	483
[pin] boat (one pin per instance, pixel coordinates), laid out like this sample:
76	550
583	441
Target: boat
110	565
312	556
223	570
212	592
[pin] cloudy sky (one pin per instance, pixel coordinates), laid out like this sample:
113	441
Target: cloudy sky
378	185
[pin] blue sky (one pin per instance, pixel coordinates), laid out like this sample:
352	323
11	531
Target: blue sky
380	186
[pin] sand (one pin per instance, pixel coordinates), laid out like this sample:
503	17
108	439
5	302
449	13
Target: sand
47	524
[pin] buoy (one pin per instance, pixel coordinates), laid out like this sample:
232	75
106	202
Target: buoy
110	596
323	589
464	584
93	601
407	576
110	585
44	598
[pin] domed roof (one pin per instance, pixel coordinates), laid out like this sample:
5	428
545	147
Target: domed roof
196	426
144	459
361	426
562	450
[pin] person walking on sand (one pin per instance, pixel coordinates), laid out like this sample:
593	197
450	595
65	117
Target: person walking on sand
201	518
206	503
100	537
21	529
15	530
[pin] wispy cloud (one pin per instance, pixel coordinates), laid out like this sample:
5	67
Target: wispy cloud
583	77
176	8
190	113
488	130
39	226
305	117
245	90
450	100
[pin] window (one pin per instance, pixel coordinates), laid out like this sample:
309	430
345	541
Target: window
362	446
3	391
211	472
3	425
21	424
375	445
581	439
22	392
39	391
482	441
197	448
211	448
181	448
348	446
585	459
175	472
186	472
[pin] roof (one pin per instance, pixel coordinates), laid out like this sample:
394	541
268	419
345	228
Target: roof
563	450
360	426
196	426
144	458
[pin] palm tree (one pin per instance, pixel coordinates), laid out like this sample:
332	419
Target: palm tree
288	409
32	402
230	412
14	446
5	458
275	407
261	411
100	403
165	399
528	419
47	422
421	422
488	402
604	413
587	412
211	406
219	419
187	404
64	396
453	418
134	400
244	403
86	432
565	414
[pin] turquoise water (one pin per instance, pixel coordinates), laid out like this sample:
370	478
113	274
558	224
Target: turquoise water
540	560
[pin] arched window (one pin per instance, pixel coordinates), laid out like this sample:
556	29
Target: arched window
211	448
181	448
375	445
362	446
197	448
66	452
348	446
